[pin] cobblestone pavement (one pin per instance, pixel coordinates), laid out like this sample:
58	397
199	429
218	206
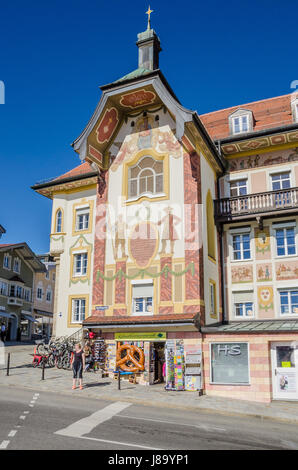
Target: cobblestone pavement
23	375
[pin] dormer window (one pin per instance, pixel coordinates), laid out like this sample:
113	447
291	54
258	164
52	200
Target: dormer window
295	109
240	122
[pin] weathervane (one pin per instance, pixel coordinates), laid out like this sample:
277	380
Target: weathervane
149	14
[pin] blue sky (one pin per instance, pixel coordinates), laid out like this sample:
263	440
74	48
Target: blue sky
54	56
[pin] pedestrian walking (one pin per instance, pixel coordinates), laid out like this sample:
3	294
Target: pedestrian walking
3	332
78	364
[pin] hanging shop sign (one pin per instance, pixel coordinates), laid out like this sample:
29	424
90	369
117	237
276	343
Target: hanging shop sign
145	336
101	307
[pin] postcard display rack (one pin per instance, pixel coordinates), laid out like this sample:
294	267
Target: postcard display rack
183	368
193	371
174	365
100	352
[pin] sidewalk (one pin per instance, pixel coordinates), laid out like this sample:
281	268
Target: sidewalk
23	375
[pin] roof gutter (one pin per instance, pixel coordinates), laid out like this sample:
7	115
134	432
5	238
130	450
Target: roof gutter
64	180
251	135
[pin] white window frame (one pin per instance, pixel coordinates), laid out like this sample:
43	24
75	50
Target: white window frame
3	283
137	179
280	172
239	232
56	221
27	290
233	181
49	291
142	282
286	289
82	211
80	273
37	291
283	226
80	313
17	271
248	291
240	118
9	257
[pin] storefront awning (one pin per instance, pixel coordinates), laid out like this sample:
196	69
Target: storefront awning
267	326
5	315
44	320
185	319
29	317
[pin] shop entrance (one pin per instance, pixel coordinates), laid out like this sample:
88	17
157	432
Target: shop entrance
284	357
158	359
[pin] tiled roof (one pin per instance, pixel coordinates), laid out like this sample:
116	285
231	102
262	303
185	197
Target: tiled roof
171	318
82	169
268	113
254	327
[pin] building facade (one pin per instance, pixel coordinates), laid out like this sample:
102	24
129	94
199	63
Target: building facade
43	297
18	266
177	235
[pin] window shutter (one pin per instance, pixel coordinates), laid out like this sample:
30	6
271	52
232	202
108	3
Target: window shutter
243	296
142	290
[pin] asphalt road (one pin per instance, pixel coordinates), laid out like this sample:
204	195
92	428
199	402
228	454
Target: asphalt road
35	421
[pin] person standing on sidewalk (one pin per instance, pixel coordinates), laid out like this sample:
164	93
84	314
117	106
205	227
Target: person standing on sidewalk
3	332
78	364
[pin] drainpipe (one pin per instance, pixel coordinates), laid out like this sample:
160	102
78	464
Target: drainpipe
221	241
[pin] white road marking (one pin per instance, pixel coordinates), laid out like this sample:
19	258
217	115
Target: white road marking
36	394
4	444
128	444
31	406
32	401
12	433
22	417
206	427
85	425
26	412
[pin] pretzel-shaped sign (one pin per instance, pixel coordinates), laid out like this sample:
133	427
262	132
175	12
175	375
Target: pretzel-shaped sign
136	365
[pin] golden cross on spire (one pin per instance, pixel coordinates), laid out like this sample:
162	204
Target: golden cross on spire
149	14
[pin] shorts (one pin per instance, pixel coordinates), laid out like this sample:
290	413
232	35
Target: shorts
77	369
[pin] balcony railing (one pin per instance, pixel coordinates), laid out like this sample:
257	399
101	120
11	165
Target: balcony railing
258	203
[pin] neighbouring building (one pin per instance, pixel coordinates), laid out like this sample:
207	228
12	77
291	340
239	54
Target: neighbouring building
43	296
2	231
18	266
177	234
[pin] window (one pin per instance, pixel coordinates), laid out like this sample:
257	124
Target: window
280	181
27	295
12	290
285	241
241	246
210	226
80	264
146	177
212	293
289	302
238	188
59	221
295	109
49	296
7	261
229	363
17	265
39	293
78	310
82	219
54	277
19	292
142	299
240	124
3	288
47	275
243	304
